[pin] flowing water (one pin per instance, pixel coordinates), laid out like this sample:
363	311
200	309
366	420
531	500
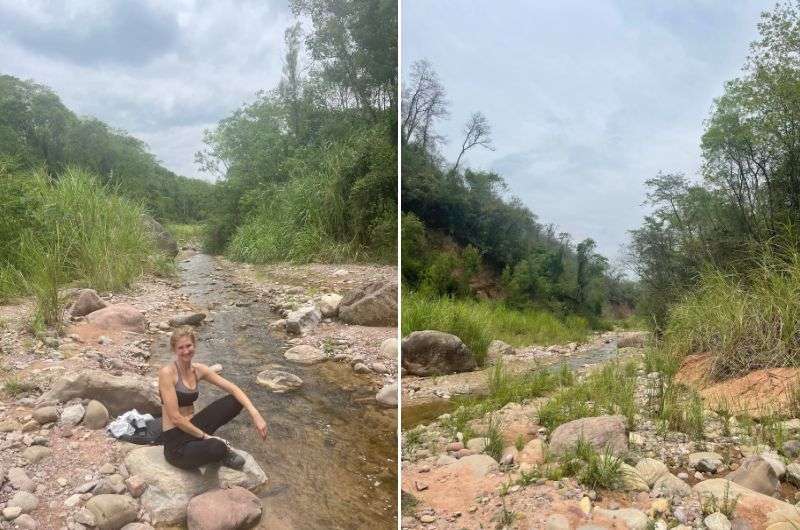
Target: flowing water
330	455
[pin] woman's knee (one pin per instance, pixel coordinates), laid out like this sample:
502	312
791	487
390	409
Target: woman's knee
216	449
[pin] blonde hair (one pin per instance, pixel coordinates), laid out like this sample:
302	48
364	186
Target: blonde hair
183	331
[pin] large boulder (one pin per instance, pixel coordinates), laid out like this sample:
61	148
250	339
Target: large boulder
163	240
601	432
118	393
187	319
372	305
118	317
435	353
112	511
87	302
96	416
328	304
304	354
169	489
228	509
302	320
387	395
759	510
756	473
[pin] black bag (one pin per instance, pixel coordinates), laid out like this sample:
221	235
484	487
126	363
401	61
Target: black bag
150	434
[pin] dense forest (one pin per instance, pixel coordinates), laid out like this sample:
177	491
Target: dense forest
718	259
308	171
463	236
38	131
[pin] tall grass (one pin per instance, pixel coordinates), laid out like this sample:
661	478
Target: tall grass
78	232
610	389
185	233
319	214
747	322
477	323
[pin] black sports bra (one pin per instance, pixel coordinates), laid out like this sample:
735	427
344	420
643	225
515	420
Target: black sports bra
186	396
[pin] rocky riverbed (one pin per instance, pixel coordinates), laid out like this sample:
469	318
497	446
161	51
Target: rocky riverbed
60	470
731	476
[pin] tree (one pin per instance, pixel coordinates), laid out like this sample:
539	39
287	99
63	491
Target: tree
476	133
424	102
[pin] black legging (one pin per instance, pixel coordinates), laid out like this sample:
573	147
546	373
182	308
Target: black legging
185	451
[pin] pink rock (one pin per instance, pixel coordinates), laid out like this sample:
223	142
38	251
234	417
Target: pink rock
226	509
118	317
136	485
455	446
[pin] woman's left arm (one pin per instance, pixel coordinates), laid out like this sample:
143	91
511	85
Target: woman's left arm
217	380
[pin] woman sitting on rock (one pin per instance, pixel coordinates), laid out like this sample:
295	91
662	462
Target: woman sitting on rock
188	437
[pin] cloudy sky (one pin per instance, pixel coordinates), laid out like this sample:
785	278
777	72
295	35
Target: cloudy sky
586	99
163	71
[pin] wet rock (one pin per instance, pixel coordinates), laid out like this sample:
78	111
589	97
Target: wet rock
361	368
72	415
44	415
304	354
169	489
432	352
278	381
223	509
328	305
164	241
96	416
24	500
756	474
387	396
302	320
87	302
601	432
118	317
118	393
372	305
187	319
112	512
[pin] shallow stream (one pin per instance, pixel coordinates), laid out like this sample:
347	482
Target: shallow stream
330	455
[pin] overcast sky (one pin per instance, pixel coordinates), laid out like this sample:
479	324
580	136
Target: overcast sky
163	71
587	99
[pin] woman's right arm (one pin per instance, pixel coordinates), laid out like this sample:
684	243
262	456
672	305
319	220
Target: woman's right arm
167	387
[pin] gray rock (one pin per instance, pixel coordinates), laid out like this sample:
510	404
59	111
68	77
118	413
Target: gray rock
96	416
498	348
302	320
791	448
717	521
119	394
430	352
26	522
372	305
111	484
72	415
601	432
35	453
163	240
112	512
169	489
651	470
12	513
87	302
85	517
634	519
44	415
328	305
389	348
24	500
279	381
705	461
20	480
669	485
187	319
755	473
793	473
137	526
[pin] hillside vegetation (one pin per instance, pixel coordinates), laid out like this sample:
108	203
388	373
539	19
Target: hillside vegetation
308	171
